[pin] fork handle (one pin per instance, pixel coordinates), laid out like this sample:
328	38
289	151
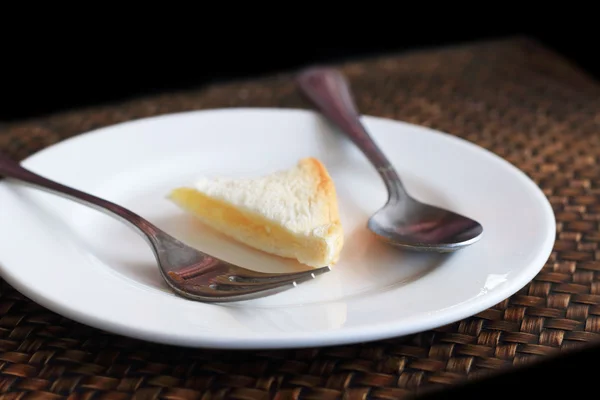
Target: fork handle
13	170
329	91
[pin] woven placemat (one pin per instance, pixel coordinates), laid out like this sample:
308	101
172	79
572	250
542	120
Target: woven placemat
512	97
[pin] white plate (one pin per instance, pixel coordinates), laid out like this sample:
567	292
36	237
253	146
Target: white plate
89	267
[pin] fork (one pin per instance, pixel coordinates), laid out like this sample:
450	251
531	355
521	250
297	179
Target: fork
188	272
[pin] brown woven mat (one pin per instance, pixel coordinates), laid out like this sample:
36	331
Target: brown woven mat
512	97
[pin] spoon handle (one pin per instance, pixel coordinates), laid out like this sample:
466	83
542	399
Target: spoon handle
11	169
329	91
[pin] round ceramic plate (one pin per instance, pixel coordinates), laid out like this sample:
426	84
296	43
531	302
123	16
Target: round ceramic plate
94	269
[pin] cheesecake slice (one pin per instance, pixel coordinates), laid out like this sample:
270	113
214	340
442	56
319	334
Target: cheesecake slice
291	213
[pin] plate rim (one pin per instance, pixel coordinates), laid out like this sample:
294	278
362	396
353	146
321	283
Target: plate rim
346	335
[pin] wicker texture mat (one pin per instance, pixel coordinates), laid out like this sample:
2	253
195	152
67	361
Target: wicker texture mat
512	97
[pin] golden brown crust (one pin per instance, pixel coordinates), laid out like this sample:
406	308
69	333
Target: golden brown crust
324	190
325	193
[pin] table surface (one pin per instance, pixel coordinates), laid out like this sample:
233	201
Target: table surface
513	97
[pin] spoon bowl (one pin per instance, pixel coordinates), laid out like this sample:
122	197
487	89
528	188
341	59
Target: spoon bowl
423	227
402	221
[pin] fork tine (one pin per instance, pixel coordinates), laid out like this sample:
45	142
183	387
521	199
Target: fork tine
225	280
233	286
238	292
250	277
262	287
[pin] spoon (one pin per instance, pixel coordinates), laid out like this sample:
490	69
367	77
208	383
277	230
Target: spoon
402	221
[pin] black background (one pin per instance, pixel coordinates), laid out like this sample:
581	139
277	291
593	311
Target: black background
59	68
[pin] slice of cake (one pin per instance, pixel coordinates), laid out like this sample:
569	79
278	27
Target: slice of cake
292	213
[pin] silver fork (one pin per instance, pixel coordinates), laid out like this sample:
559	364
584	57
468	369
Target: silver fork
190	273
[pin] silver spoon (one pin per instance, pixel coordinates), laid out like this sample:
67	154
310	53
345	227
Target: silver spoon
403	221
